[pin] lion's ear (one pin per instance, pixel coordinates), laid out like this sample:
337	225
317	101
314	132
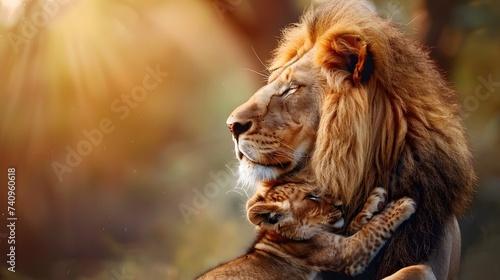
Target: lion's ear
348	52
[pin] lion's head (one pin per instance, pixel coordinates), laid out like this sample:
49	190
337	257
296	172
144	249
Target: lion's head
353	104
294	211
275	131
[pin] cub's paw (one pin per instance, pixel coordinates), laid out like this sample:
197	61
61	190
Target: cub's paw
405	207
376	203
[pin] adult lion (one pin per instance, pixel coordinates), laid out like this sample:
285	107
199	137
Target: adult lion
351	104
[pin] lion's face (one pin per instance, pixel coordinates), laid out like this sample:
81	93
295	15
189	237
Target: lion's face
275	130
294	211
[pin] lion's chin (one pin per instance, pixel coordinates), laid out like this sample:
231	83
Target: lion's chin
251	173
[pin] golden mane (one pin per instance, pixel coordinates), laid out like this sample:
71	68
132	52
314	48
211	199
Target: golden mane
389	120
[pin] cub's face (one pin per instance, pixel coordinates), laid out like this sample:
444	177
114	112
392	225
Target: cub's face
294	211
275	131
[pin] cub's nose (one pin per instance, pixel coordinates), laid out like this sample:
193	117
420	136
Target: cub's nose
271	218
237	128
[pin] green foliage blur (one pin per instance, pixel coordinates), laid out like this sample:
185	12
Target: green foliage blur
113	114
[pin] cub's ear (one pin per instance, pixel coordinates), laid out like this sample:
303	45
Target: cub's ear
264	213
346	51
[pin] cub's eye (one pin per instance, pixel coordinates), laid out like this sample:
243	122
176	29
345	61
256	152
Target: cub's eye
291	89
312	197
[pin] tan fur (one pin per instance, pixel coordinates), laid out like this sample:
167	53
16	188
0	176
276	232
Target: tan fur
294	239
370	109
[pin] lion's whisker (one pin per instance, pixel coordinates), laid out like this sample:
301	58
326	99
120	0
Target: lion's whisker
256	72
263	64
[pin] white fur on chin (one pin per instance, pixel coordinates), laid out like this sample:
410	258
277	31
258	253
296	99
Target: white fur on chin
249	174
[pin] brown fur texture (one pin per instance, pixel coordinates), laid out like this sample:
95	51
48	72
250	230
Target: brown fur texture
294	238
393	122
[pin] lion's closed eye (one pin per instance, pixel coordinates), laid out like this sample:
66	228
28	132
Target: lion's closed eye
292	88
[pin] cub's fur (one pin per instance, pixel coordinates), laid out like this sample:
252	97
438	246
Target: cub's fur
294	239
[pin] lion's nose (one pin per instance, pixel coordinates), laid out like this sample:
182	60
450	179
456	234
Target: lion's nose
237	128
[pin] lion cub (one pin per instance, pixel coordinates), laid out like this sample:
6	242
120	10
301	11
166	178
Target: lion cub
294	239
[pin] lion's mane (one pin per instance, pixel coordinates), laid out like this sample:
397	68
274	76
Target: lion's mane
393	122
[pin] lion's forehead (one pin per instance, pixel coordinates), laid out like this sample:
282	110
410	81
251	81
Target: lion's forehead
302	67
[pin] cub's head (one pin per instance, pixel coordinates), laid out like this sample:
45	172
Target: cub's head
294	211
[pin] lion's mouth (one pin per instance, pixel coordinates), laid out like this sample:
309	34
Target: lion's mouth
280	165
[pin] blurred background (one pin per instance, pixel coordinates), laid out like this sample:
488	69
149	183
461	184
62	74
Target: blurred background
113	114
